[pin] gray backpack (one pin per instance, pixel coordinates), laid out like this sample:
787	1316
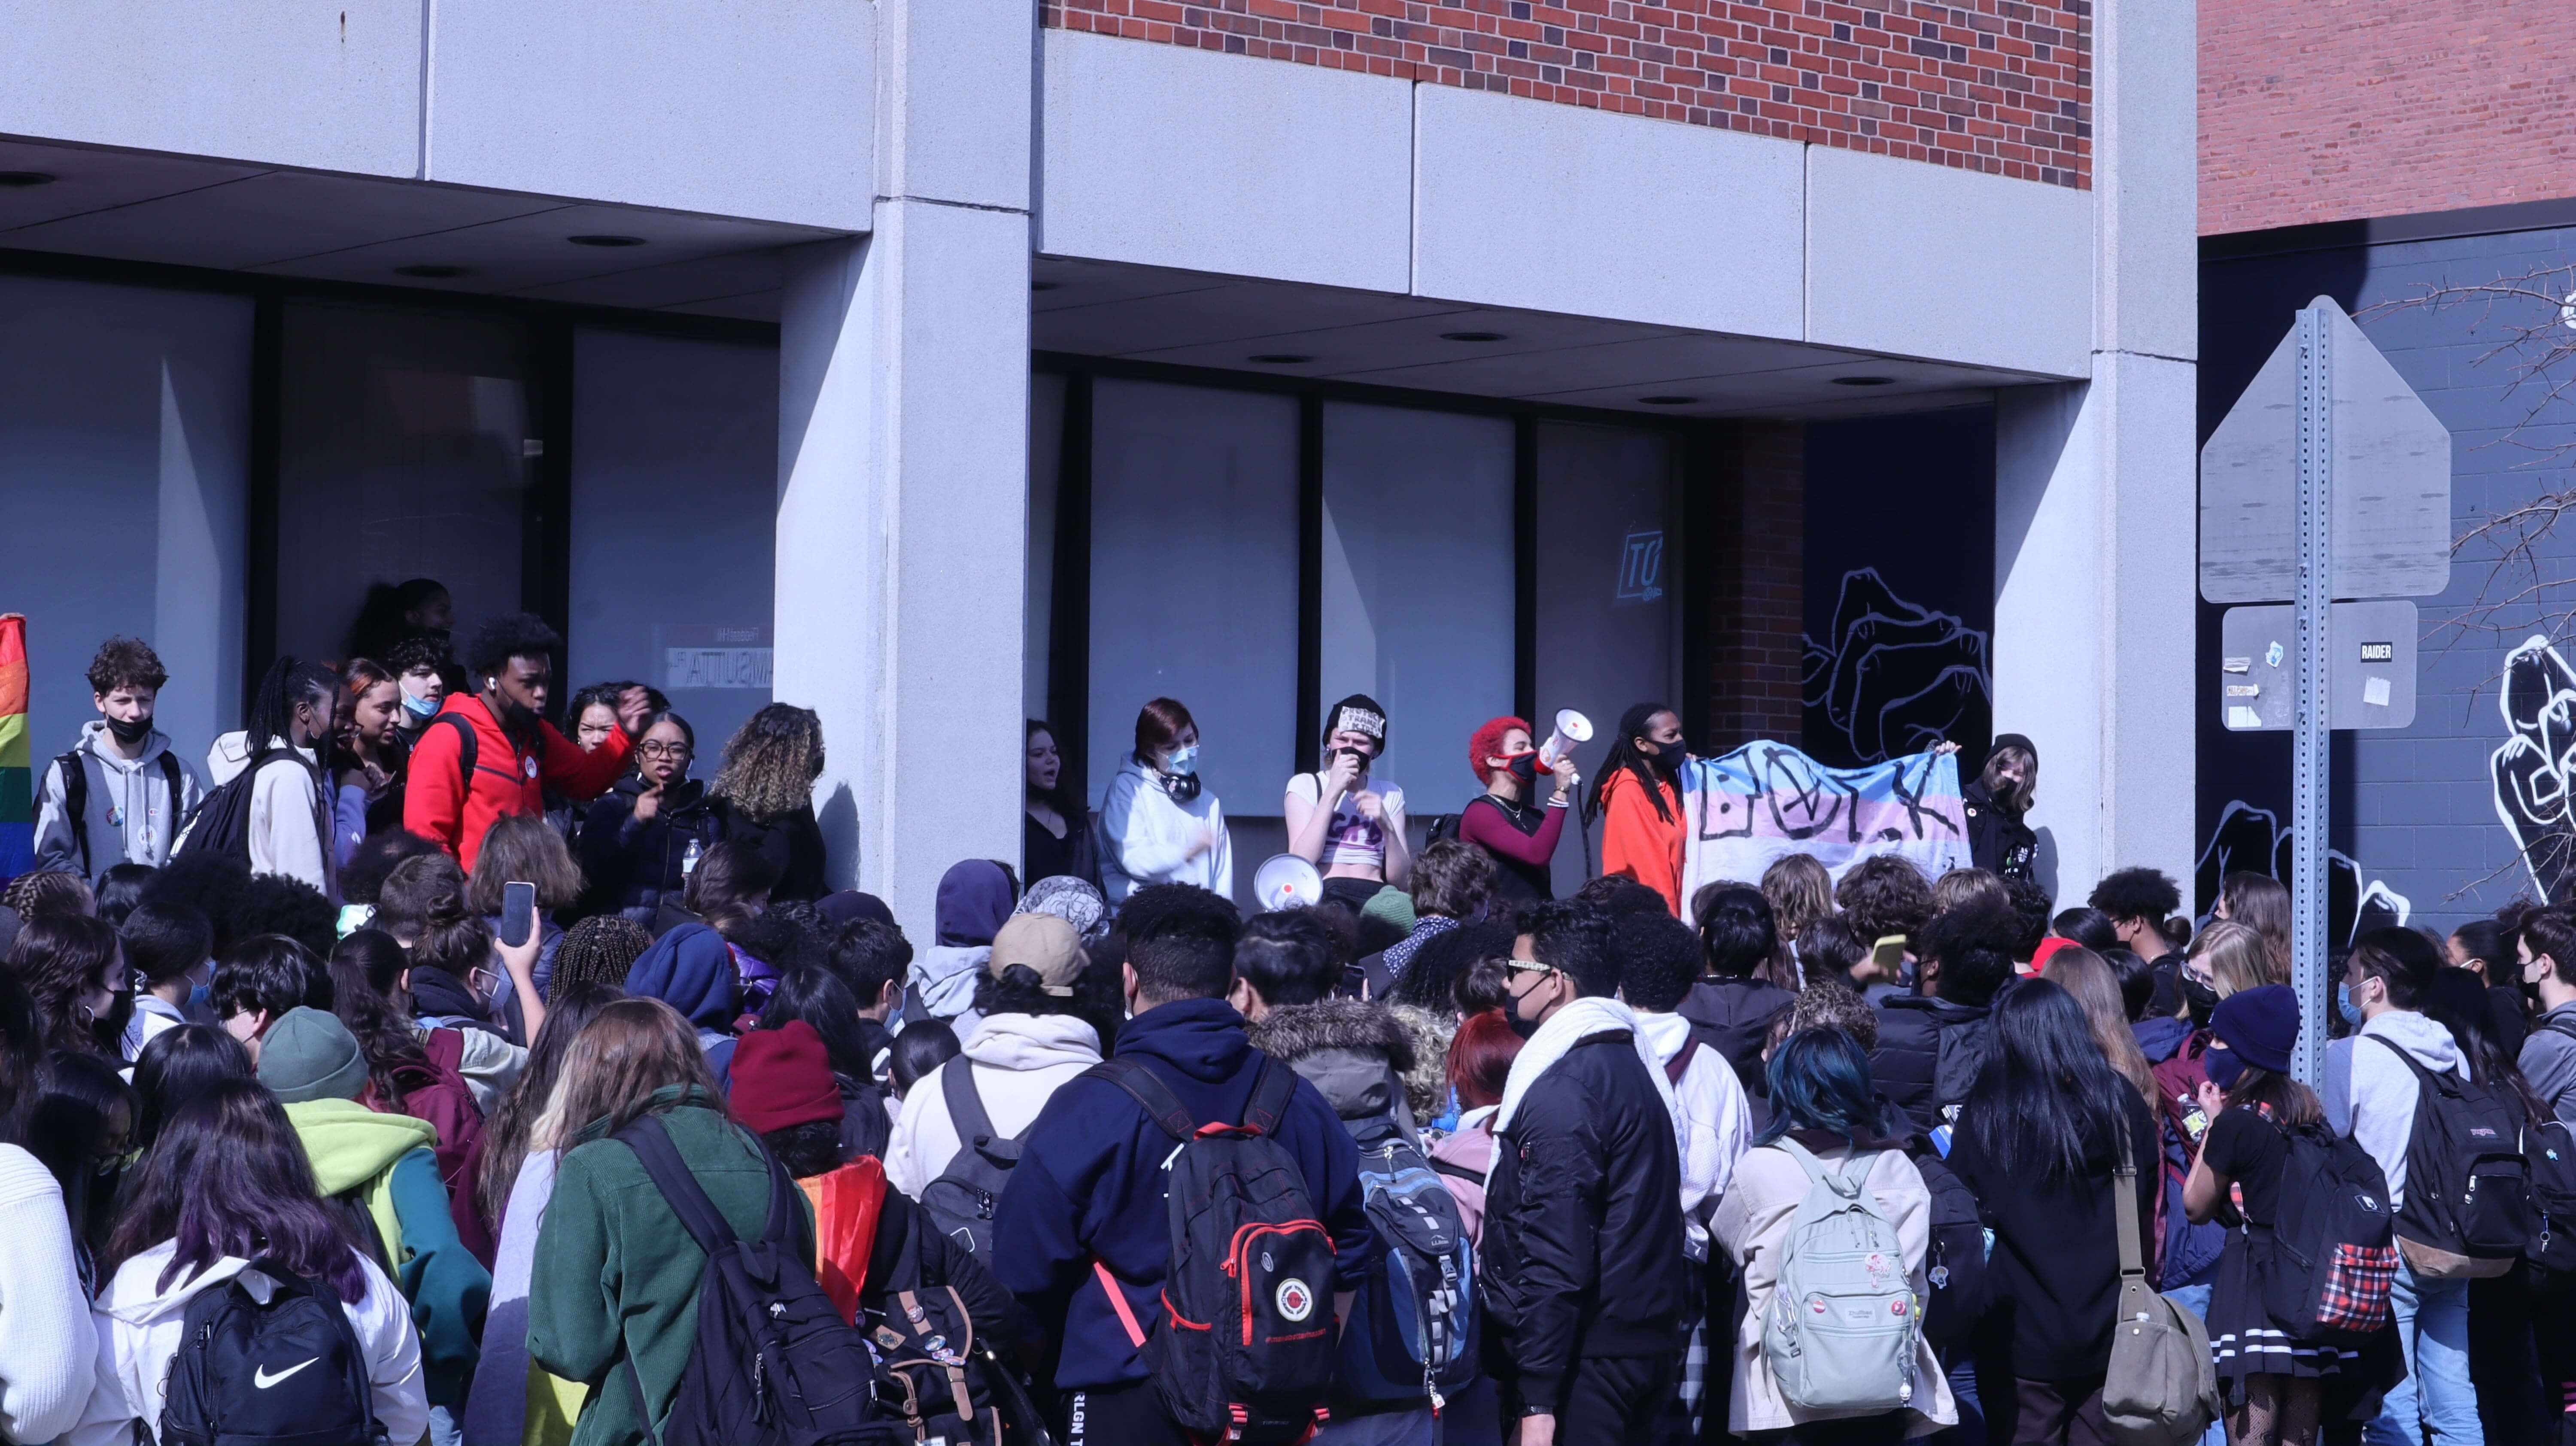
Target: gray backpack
960	1202
1844	1326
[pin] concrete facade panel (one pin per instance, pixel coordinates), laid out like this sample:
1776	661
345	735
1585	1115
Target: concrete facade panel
1634	211
1165	157
333	85
1926	262
763	111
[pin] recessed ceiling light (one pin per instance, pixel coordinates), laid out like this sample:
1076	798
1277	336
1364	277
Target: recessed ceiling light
1279	358
1668	401
1044	285
1473	336
606	240
1864	381
431	273
19	180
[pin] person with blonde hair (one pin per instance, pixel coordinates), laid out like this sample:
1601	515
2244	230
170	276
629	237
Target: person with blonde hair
764	796
2096	986
2261	902
2226	958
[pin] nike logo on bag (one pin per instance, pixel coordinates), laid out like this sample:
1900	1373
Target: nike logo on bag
263	1380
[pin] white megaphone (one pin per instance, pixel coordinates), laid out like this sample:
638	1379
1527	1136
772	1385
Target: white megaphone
1571	728
1286	881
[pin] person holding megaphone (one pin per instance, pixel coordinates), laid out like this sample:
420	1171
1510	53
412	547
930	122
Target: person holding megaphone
1506	820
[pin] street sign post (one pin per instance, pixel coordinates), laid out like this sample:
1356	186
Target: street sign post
2328	479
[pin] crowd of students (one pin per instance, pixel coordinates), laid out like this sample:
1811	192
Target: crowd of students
438	1075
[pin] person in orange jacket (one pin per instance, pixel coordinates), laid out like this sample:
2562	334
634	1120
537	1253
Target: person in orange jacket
1638	798
518	755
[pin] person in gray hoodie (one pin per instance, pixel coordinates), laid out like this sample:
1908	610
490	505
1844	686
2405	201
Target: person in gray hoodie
2548	965
121	794
2371	1095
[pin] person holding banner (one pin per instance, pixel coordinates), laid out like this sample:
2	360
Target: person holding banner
1638	799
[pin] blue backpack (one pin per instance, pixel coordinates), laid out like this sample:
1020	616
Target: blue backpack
1412	1334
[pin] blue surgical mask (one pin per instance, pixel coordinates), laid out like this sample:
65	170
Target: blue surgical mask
2344	1006
1183	761
419	707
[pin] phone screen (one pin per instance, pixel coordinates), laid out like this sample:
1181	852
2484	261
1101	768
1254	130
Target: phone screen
517	900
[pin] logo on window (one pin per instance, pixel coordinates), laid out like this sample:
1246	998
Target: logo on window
1641	567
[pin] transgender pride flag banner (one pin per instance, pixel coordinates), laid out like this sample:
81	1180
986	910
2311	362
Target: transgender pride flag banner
1765	800
17	801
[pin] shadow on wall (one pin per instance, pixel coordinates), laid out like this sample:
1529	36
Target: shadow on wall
839	820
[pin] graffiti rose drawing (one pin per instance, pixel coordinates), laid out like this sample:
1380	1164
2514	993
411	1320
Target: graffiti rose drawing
2252	840
2536	765
1893	677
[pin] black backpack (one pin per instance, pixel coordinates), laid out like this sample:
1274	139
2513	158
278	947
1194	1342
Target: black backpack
960	1202
2553	1202
76	800
269	1356
2468	1187
932	1374
1247	1350
222	821
1955	1262
773	1364
2334	1250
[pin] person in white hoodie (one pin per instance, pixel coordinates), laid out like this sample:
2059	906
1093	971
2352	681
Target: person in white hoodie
122	794
1028	1045
1158	824
226	1183
293	713
2371	1096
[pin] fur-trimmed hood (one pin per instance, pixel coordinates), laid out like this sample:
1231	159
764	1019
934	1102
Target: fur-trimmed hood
1291	1034
1353	1053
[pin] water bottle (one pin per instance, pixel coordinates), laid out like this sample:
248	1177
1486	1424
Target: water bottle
689	860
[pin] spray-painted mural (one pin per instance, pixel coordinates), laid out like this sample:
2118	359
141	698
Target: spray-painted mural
2536	766
1894	677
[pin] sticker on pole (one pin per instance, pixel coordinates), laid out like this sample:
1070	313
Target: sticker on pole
2370	667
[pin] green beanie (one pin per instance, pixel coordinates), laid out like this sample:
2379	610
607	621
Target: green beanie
1391	905
310	1055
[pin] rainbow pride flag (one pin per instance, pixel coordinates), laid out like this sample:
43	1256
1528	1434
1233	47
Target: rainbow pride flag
17	784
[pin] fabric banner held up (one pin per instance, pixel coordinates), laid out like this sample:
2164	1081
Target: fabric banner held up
1766	800
17	791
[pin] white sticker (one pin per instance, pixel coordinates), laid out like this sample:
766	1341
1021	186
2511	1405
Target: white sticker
2374	691
2240	716
2244	690
2238	665
2272	656
1295	1300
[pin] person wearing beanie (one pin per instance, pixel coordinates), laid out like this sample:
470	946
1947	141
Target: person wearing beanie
2270	1373
1029	1040
381	1169
1996	801
1348	825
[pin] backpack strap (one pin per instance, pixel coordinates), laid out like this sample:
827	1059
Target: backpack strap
76	802
467	747
1139	1082
966	1110
1456	1171
1838	1178
2124	1206
1679	1064
706	1225
2560	1025
1272	1089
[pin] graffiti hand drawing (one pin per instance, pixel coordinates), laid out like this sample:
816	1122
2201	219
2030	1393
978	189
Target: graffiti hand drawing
2536	767
1893	677
2252	840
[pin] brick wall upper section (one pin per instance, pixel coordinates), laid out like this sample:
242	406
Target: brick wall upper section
2339	110
1989	85
1751	539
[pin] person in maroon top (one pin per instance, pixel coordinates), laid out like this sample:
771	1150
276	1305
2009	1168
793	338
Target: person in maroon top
1506	820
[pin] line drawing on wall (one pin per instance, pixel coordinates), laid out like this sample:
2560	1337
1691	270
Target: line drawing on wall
2253	840
1895	677
2535	765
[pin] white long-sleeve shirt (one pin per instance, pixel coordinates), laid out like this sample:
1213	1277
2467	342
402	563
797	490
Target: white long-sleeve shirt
48	1351
1716	1122
1146	836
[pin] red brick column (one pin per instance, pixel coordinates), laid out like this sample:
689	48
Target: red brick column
1747	585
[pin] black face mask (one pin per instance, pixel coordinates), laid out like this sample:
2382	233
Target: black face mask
1523	767
1667	759
2201	999
131	732
1525	1028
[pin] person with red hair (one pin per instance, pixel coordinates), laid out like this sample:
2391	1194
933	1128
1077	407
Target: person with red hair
1480	1061
1505	821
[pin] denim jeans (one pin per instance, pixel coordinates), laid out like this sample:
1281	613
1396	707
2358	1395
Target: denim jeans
2433	1329
2195	1298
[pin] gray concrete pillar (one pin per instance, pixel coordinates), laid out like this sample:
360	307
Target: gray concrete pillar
903	466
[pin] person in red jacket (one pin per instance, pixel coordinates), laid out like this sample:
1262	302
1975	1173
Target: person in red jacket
518	755
1638	797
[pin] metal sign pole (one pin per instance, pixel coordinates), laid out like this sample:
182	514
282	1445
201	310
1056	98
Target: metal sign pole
2309	757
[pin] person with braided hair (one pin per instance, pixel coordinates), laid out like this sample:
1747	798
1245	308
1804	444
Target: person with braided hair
1638	798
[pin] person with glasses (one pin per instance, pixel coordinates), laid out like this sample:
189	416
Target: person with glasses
645	836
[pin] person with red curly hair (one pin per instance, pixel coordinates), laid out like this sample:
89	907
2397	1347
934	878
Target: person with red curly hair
1506	820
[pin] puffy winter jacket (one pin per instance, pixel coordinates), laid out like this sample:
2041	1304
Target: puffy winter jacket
1583	1222
631	865
454	812
1928	1052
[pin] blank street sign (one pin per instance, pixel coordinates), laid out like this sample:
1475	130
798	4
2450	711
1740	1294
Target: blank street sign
2370	669
2391	483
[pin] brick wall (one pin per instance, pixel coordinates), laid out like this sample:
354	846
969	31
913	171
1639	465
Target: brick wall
2003	86
2337	110
1748	523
